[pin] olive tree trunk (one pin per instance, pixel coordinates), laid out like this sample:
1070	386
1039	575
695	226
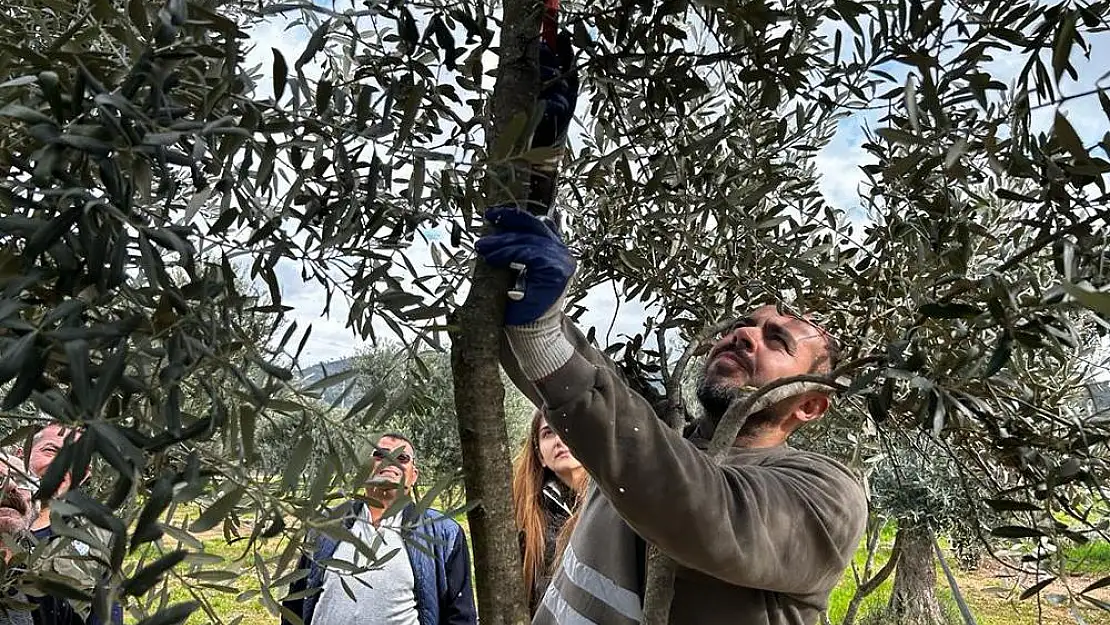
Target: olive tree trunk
476	330
914	598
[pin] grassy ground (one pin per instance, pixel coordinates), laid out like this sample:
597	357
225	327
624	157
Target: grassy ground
1092	558
992	592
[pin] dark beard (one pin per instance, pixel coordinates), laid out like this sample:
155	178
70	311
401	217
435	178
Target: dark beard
715	400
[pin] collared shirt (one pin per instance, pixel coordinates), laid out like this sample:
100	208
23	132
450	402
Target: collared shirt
385	594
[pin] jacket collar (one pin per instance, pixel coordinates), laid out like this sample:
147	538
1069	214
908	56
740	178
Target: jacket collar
351	510
553	492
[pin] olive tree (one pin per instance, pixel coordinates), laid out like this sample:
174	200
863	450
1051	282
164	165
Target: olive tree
146	164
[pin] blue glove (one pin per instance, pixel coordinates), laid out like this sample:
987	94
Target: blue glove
521	238
558	91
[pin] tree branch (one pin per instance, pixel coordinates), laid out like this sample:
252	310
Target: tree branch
870	585
659	580
883	573
772	393
676	406
475	348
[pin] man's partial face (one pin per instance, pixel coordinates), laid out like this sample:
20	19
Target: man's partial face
16	509
48	442
394	462
760	348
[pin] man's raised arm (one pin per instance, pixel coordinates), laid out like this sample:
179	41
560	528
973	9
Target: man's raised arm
785	524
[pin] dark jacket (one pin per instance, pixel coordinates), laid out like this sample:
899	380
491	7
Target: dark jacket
436	547
557	503
69	561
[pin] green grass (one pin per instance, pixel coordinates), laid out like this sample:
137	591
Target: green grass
988	607
233	594
1092	558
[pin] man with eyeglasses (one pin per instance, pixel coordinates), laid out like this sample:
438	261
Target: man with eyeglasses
760	537
75	551
406	568
16	511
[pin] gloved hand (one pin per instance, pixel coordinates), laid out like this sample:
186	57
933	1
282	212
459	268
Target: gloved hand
522	238
558	91
533	324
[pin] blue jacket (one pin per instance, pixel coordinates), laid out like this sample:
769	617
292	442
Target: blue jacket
437	550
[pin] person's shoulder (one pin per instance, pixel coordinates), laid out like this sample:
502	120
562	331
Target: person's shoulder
829	471
340	511
438	517
434	522
794	456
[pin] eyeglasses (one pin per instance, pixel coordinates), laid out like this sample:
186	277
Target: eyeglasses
401	458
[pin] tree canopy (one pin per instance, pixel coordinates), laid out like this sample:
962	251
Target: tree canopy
146	168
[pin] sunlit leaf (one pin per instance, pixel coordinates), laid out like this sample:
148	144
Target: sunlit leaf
218	510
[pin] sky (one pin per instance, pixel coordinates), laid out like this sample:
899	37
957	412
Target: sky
838	164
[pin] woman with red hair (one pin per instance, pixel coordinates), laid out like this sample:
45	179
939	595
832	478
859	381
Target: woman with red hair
548	482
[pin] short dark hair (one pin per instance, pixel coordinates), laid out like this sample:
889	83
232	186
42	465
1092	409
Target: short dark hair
830	359
400	437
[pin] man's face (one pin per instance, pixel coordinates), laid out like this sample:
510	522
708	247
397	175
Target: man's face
759	348
48	442
395	462
16	509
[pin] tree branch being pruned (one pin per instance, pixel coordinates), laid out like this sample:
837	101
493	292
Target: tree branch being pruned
772	393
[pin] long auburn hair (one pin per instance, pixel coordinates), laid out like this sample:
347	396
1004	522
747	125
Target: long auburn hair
529	477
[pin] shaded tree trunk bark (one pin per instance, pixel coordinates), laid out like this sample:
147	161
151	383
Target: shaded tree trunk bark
914	599
475	339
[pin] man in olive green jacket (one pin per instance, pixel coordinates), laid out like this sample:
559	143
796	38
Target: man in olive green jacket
760	538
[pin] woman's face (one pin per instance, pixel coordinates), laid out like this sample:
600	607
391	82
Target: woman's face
555	455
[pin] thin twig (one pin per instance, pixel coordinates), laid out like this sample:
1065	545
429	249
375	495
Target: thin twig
675	404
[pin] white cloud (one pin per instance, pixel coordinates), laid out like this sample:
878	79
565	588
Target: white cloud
839	165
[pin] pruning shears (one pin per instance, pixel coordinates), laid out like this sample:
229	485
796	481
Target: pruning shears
541	193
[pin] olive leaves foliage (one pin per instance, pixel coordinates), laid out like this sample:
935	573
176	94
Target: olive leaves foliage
147	168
